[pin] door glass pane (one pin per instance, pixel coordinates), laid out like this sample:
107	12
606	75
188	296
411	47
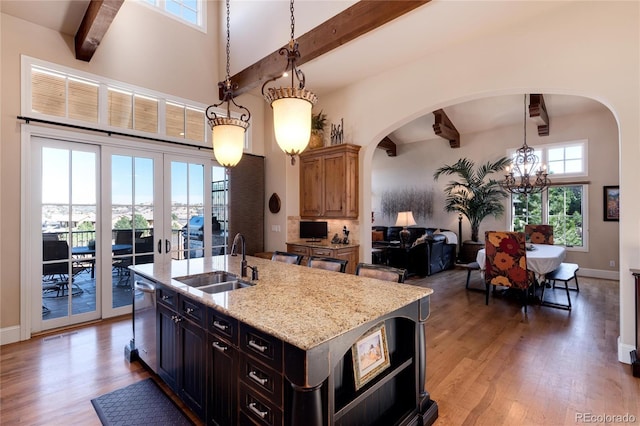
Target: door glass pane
132	218
187	210
68	226
219	215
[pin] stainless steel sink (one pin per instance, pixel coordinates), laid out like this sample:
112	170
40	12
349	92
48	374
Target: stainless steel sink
206	279
214	282
225	286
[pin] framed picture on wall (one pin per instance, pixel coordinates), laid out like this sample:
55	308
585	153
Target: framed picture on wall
611	203
370	355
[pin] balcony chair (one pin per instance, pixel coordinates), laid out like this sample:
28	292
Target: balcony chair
328	263
506	263
381	272
55	276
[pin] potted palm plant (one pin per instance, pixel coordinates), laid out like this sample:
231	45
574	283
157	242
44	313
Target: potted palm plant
318	123
475	195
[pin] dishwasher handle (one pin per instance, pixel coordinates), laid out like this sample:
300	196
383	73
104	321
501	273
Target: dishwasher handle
144	287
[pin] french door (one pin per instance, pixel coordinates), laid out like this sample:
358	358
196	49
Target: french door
99	209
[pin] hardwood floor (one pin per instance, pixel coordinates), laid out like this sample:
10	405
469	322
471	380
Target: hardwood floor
486	365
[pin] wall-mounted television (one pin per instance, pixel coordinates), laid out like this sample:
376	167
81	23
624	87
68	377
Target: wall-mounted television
313	231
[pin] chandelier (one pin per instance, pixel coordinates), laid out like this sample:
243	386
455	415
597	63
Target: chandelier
522	176
291	105
227	132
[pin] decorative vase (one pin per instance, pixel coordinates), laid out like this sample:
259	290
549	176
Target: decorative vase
316	140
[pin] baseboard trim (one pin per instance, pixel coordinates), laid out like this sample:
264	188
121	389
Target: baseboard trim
9	335
599	273
624	352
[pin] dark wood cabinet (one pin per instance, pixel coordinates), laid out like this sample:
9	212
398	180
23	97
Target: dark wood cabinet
222	375
181	348
329	182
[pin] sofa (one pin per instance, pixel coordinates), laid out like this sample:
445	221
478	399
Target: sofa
427	252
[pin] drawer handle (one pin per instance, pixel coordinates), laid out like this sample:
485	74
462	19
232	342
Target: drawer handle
253	407
165	298
253	375
189	310
220	326
220	347
176	318
257	347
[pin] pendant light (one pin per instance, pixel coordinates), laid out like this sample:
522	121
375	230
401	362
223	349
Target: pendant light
227	133
521	178
291	105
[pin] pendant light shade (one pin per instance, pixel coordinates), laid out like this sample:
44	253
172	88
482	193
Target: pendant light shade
228	140
291	119
291	105
227	133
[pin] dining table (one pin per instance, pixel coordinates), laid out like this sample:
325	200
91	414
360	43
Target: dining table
541	259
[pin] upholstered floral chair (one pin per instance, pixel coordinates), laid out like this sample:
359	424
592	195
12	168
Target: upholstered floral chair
506	262
539	234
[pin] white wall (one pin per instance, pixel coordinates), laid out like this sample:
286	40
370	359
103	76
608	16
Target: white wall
416	162
584	48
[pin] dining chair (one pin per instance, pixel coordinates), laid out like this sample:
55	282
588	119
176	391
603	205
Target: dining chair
283	256
506	263
328	263
539	234
381	272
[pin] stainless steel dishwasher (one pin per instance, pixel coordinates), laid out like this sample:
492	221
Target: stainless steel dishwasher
144	320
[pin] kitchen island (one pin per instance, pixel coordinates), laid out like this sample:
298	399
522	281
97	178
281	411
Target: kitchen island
287	343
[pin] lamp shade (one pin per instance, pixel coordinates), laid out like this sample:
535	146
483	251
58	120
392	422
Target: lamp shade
228	140
292	123
405	219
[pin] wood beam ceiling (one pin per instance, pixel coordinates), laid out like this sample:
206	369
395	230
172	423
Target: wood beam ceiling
538	111
94	26
389	146
444	128
362	17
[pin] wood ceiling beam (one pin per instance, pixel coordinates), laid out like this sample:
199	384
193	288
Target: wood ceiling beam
362	17
94	26
444	128
389	146
538	111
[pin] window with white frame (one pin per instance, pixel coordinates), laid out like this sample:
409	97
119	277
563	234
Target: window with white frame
564	205
75	97
189	11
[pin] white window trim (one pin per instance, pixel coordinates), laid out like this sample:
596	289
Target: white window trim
202	14
545	215
104	83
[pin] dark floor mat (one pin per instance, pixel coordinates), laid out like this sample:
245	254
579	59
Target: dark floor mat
142	403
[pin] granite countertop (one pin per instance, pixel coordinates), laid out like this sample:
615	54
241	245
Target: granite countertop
322	244
300	305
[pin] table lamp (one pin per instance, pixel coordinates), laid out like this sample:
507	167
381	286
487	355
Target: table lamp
405	219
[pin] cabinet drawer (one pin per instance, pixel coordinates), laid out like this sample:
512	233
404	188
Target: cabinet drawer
192	310
292	248
255	409
261	346
167	297
223	325
321	252
261	378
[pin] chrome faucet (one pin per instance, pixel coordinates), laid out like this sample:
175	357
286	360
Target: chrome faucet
234	246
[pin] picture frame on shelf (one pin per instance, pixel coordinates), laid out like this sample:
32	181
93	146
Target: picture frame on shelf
370	355
611	203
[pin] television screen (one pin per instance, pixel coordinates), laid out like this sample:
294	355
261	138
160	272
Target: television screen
313	231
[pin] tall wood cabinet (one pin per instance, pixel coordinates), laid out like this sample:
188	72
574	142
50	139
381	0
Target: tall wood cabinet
329	182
